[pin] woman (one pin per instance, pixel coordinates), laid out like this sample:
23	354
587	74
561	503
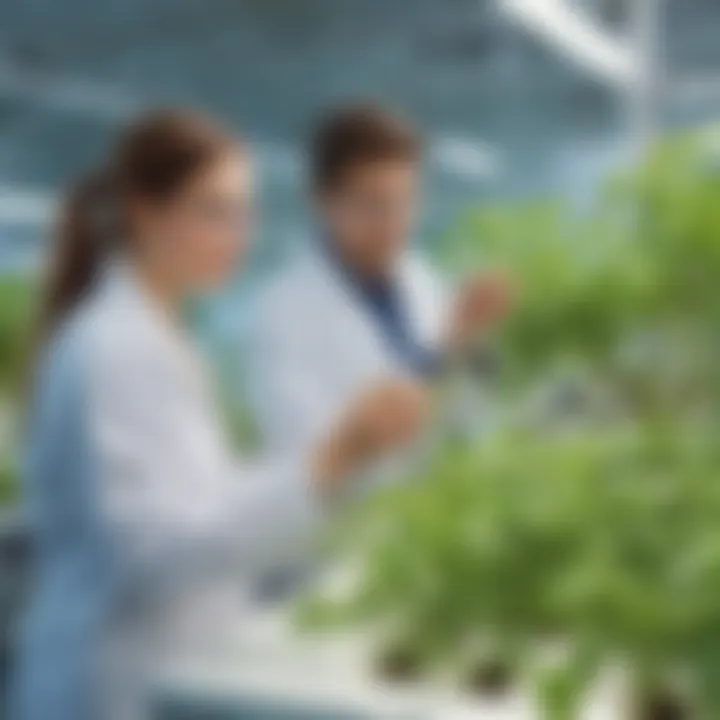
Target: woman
140	511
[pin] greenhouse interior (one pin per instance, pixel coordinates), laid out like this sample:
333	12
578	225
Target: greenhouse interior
553	551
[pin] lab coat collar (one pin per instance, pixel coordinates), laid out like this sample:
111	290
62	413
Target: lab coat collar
327	248
120	279
121	284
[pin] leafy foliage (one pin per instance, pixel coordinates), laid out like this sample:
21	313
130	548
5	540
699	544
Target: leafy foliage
640	267
16	316
17	307
603	540
8	484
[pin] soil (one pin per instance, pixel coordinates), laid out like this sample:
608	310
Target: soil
664	706
491	677
399	664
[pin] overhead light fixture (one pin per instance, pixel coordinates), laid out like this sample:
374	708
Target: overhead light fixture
578	36
468	158
66	94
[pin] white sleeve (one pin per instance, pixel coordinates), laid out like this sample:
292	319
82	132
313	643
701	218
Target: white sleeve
292	401
170	496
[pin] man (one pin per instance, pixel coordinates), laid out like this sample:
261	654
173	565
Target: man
360	305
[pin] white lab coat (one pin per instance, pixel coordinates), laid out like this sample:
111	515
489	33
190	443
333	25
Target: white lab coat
315	347
143	521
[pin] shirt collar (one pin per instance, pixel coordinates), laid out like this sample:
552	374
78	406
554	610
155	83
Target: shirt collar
371	287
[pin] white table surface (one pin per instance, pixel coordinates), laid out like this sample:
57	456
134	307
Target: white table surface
262	658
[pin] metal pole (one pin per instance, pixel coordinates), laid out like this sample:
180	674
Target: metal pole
645	98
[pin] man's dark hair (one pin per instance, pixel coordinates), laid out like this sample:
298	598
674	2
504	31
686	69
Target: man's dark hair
356	135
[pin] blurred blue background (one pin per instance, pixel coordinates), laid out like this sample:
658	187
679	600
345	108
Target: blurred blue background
507	110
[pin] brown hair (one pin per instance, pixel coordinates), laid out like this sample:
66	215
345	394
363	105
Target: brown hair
153	159
356	135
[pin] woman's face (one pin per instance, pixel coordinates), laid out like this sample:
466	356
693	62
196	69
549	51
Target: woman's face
200	235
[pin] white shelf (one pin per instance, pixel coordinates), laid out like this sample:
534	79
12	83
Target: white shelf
261	662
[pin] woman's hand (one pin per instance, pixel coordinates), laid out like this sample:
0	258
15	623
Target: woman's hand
386	416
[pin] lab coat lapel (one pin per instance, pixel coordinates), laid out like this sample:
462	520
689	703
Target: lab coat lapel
361	331
363	342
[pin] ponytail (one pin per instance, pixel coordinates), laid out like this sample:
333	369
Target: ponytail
83	242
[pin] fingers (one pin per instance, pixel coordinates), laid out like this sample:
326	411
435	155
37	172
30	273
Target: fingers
408	408
487	298
392	412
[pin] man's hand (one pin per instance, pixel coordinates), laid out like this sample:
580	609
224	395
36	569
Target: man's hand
482	302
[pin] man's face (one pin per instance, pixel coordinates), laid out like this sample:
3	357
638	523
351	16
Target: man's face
371	213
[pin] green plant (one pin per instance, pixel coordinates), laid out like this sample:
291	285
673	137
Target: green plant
638	270
17	305
610	541
601	543
8	484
